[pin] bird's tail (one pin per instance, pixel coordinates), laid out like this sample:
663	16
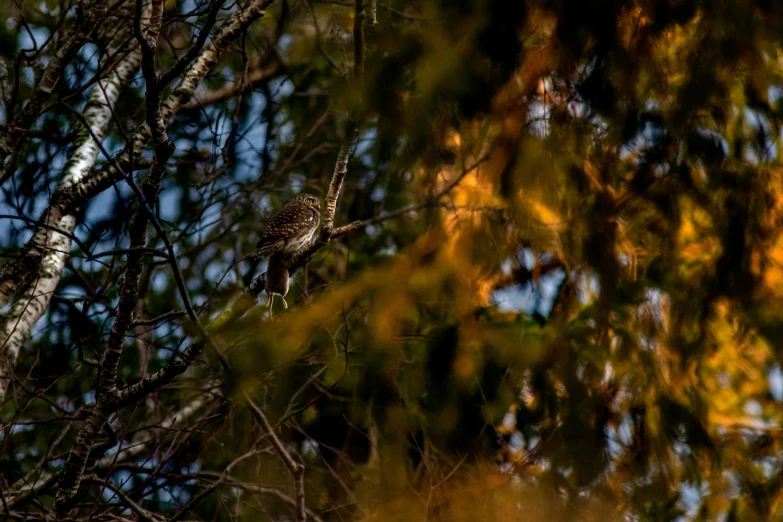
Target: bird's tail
266	250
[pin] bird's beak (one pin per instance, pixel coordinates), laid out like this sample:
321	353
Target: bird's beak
318	206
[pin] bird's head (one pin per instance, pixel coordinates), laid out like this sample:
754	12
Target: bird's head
307	199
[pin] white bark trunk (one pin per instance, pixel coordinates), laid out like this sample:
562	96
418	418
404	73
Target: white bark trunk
31	304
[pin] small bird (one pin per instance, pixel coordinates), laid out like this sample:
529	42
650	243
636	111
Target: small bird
288	232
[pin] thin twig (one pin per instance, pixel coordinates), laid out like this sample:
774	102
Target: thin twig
296	469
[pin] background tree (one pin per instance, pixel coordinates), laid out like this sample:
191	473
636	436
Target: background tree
547	283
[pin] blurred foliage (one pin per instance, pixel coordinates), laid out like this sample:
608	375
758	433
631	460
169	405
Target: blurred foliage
585	326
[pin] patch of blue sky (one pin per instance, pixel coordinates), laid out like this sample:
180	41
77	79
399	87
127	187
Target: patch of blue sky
101	207
680	448
169	203
159	281
691	495
775	379
516	441
178	496
530	298
71	291
285	130
19	428
89	397
284	44
209	220
378	194
264	202
310	448
168	331
297	182
388	250
90	56
33	39
758	120
40	330
538	116
216	271
709	133
187	6
514	299
364	144
114	144
752	407
251	140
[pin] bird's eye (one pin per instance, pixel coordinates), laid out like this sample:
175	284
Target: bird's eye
311	201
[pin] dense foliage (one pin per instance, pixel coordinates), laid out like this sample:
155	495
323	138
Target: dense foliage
562	303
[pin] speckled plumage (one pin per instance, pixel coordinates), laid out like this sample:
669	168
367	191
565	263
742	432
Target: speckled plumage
292	227
286	233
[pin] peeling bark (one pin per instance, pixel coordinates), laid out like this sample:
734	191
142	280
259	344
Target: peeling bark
16	324
32	293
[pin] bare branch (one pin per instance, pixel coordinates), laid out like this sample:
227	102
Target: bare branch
142	513
296	469
149	46
72	195
129	295
181	362
29	307
195	49
94	11
164	317
212	487
35	276
254	77
252	488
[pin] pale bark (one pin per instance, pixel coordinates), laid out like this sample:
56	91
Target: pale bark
31	303
19	126
70	198
108	398
17	323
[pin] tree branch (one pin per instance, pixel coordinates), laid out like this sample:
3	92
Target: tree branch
212	487
34	277
143	514
72	195
254	77
328	231
296	469
17	129
195	49
302	257
149	46
67	494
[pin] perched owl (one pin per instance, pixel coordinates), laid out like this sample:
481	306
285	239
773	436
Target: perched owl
287	232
